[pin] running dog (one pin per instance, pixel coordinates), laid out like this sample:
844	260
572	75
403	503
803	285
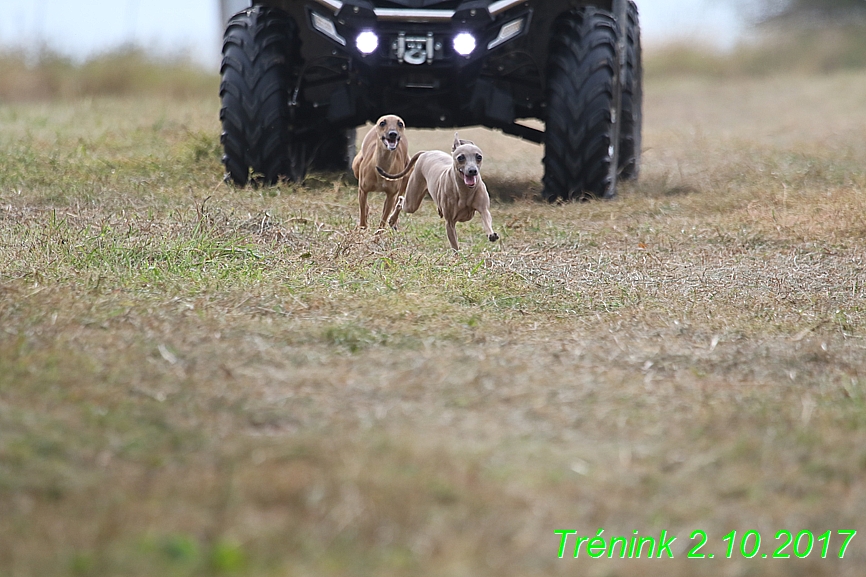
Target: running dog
454	182
385	145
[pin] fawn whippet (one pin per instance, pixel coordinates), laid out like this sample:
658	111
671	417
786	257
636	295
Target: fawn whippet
386	146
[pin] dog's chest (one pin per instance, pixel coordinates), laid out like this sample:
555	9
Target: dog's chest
464	209
464	212
390	162
388	186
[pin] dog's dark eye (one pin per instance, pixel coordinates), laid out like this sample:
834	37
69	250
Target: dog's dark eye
461	158
477	158
400	125
382	124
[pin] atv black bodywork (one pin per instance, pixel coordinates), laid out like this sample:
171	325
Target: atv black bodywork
313	70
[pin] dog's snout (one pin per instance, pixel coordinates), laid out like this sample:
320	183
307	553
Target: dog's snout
393	135
472	171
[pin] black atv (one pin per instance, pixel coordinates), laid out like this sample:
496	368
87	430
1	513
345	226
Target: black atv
298	76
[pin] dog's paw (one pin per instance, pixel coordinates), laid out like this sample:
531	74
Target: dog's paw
493	237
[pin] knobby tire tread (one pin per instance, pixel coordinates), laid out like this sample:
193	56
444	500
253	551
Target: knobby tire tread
632	99
260	47
581	85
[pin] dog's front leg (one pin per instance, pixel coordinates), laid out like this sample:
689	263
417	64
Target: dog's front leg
451	230
487	224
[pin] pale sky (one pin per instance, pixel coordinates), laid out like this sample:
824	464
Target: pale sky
81	28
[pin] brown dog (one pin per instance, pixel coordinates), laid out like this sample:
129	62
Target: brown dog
453	181
386	146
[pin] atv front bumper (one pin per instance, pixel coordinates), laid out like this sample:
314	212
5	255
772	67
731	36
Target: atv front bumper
433	67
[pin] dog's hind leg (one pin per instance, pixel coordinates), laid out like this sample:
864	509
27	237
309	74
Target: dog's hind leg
398	203
395	213
415	192
390	212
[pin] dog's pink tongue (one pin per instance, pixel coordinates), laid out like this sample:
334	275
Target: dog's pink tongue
470	180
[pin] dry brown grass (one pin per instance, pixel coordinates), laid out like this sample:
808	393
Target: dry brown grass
46	75
197	380
782	49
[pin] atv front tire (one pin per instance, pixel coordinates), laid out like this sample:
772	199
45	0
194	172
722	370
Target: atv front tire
632	99
260	57
583	97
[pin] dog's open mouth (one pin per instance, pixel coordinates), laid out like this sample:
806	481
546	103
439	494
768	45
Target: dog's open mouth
391	142
470	181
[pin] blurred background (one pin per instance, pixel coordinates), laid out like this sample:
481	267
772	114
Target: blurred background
193	27
51	48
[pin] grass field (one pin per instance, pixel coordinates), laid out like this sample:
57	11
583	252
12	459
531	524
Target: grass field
196	380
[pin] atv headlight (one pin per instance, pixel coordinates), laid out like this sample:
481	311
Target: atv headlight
326	27
506	33
464	43
367	42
